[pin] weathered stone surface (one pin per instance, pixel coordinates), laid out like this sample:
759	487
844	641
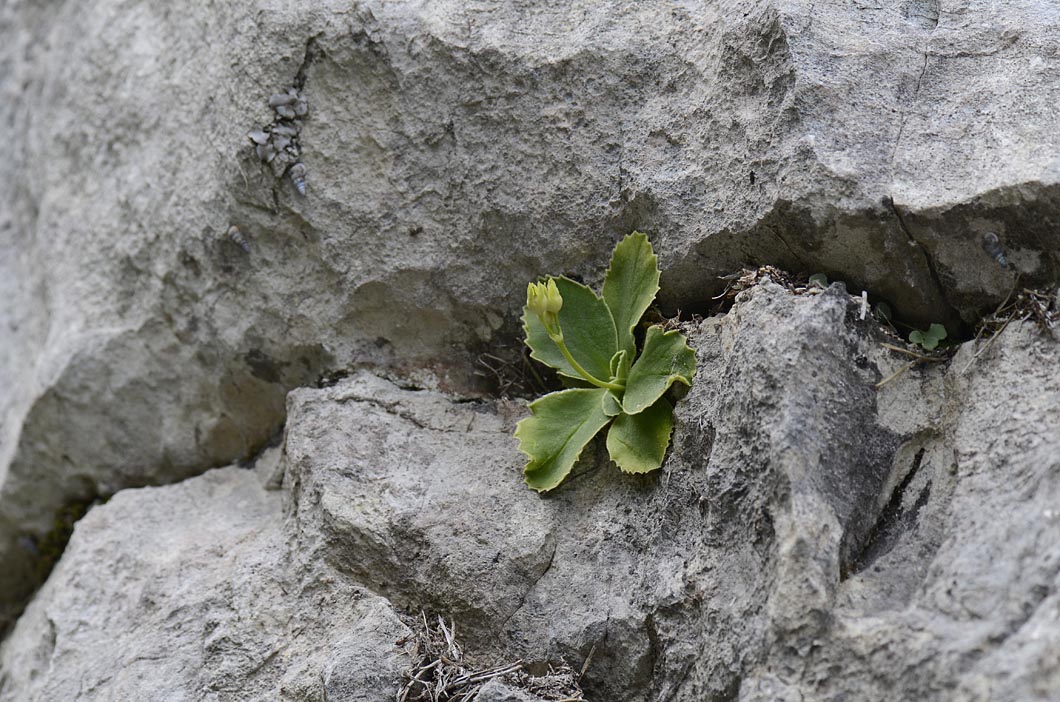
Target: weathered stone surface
455	151
497	691
809	538
188	592
958	597
774	480
801	517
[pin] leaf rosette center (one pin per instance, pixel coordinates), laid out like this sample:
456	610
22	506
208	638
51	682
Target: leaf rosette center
590	339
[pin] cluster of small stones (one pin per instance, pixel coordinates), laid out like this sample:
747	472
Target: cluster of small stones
277	144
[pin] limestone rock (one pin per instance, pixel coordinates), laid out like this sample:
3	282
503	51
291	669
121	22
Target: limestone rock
455	152
801	516
958	595
809	538
775	474
497	691
188	592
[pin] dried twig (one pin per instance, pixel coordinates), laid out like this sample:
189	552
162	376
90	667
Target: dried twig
985	347
917	358
588	660
748	278
441	673
511	372
914	354
1041	305
894	375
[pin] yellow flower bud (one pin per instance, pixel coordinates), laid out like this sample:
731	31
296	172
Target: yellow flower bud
536	298
545	301
554	302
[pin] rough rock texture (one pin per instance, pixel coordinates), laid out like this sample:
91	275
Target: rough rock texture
189	592
763	549
497	691
809	538
454	151
777	449
957	597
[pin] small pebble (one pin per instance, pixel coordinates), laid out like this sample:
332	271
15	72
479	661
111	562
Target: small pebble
258	136
266	152
279	99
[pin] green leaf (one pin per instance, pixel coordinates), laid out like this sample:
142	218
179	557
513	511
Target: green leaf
560	426
929	339
819	279
666	359
637	442
588	330
883	312
611	405
620	366
630	285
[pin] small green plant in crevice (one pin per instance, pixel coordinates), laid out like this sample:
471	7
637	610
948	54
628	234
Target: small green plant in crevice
588	339
819	279
928	340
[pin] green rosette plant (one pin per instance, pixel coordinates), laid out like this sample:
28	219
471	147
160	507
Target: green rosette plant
589	340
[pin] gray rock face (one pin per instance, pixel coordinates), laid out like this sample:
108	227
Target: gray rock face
958	595
422	501
454	152
496	691
809	538
805	524
188	592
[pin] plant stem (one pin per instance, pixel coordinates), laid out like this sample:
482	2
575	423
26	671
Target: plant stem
558	338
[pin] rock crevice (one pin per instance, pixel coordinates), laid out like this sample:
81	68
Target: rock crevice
454	153
809	537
